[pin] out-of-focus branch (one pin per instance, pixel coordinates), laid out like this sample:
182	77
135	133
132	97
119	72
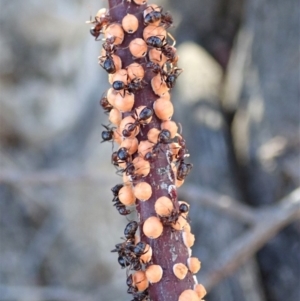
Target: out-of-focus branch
34	293
50	177
220	202
269	221
266	222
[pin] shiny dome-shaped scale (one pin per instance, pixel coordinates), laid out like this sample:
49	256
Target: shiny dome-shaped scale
144	147
180	270
135	71
194	264
188	295
159	87
163	109
111	96
126	195
130	23
125	123
115	116
140	280
140	2
187	228
142	167
131	144
171	126
115	30
153	227
154	31
142	191
101	12
178	183
188	239
200	290
154	273
163	206
157	57
138	48
152	135
117	136
124	103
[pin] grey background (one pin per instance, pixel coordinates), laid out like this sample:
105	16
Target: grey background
237	101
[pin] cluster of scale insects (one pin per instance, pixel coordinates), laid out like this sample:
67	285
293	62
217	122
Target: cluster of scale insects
155	58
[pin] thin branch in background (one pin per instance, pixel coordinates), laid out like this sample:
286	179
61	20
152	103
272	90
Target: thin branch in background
220	202
34	293
268	222
51	177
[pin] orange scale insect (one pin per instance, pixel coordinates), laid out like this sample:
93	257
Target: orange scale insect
124	103
115	116
135	71
138	48
163	109
130	23
126	195
142	191
115	30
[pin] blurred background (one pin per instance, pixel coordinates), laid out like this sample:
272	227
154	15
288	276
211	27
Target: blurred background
238	103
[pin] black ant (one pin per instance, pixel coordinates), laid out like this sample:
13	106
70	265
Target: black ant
166	49
120	156
115	190
164	137
130	230
140	296
126	256
183	170
107	107
156	42
120	207
173	217
100	22
155	15
107	135
109	45
170	53
139	249
156	68
171	77
106	61
134	86
145	114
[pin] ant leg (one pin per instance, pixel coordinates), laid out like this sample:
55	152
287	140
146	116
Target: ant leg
173	39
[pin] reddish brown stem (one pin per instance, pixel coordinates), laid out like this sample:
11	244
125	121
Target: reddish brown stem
169	248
